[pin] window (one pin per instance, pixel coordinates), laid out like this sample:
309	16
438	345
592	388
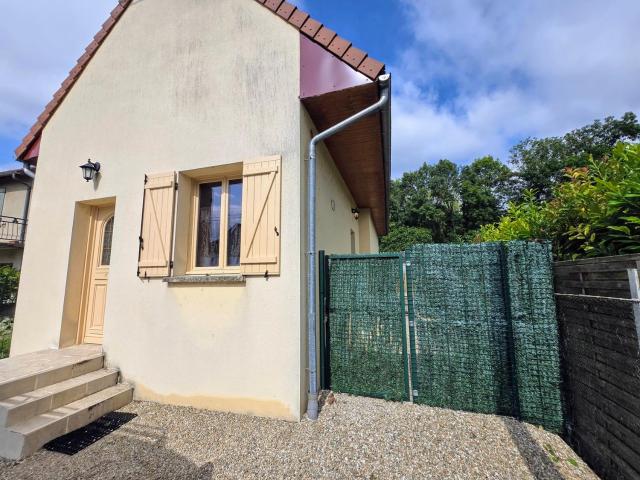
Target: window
217	227
107	236
222	219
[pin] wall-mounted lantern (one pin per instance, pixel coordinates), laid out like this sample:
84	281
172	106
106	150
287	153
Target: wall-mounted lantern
356	213
90	170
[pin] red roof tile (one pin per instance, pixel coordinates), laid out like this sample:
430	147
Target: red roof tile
354	56
341	48
311	27
298	18
285	10
273	4
325	36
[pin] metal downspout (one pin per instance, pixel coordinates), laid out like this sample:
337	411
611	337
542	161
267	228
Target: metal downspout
385	95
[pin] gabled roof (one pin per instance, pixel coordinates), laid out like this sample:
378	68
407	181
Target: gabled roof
322	35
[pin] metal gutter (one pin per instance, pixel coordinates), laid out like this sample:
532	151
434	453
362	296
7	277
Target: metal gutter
28	172
382	105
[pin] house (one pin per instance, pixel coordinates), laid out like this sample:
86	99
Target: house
185	256
15	195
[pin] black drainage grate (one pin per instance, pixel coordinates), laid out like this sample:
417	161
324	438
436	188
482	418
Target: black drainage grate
84	437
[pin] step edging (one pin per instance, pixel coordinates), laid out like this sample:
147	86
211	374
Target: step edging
50	376
71	417
56	395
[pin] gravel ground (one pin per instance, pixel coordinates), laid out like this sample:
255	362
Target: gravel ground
354	438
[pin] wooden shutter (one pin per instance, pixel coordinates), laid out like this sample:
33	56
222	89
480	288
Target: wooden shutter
260	244
157	226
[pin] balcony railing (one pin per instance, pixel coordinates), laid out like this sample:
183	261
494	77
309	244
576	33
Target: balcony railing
12	230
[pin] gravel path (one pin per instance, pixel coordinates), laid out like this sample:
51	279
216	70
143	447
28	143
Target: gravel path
354	438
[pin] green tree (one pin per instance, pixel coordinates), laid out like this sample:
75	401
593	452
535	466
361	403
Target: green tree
9	280
595	212
429	198
400	238
485	188
541	162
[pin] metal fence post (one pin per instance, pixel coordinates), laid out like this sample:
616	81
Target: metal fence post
414	383
634	286
322	283
403	315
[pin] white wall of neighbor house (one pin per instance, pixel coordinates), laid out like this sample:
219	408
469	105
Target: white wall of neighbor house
15	198
11	256
176	86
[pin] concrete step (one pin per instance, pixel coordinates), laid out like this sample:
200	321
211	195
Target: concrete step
24	438
27	405
33	371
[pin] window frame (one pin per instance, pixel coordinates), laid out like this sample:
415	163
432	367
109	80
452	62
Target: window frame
103	233
3	196
222	268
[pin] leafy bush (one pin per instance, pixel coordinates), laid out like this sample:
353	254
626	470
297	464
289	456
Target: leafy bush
9	280
401	238
595	213
6	328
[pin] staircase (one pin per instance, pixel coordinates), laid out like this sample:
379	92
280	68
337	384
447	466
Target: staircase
44	395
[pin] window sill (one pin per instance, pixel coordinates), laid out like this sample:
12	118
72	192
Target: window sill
207	279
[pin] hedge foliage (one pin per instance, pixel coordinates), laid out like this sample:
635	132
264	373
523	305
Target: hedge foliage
595	213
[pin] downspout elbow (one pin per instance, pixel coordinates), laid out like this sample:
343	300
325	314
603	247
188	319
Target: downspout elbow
28	172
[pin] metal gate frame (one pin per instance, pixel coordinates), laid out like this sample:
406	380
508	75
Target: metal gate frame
325	326
530	392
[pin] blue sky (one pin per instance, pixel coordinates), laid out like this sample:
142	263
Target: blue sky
471	77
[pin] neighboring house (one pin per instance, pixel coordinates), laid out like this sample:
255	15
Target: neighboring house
15	194
185	258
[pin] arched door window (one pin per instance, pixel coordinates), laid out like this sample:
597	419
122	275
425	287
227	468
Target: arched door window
106	243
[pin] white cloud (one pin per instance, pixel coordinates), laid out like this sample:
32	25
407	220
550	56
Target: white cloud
478	75
41	41
483	73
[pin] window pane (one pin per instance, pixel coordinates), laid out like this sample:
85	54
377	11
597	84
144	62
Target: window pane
2	194
106	243
234	223
208	241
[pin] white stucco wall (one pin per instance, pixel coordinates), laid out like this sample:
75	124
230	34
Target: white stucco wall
177	86
335	220
369	241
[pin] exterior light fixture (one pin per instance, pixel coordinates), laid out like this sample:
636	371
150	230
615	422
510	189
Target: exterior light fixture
356	213
90	170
